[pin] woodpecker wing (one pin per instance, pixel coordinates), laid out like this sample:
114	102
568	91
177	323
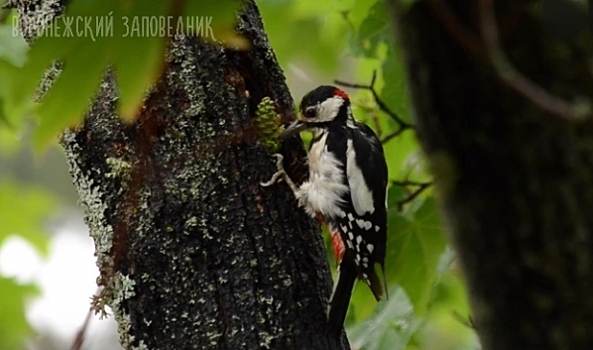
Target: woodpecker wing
367	178
365	224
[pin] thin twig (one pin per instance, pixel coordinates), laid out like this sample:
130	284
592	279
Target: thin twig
10	4
420	187
468	322
392	135
402	125
456	29
407	183
515	79
411	197
80	335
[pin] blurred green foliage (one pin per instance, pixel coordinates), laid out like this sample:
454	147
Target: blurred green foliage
23	208
428	302
14	328
23	211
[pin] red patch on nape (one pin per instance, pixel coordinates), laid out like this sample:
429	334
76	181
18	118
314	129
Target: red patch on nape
342	94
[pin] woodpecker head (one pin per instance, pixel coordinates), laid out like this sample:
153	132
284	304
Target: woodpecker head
325	105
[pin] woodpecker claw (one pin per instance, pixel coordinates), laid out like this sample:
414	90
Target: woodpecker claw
277	175
280	174
275	178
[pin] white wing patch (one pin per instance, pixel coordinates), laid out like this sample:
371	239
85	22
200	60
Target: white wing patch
322	192
362	196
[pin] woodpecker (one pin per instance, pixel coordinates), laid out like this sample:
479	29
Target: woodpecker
346	189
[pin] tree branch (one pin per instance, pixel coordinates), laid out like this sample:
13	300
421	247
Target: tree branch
402	125
80	335
491	49
516	80
466	39
420	187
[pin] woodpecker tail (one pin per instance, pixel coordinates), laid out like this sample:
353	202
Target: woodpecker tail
340	299
375	283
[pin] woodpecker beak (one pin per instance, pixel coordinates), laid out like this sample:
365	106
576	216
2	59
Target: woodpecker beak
293	129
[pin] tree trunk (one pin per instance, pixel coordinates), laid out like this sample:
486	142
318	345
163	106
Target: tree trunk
515	179
193	252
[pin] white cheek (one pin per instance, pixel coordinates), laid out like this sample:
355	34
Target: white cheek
328	109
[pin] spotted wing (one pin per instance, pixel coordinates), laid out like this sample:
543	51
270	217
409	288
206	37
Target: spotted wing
364	227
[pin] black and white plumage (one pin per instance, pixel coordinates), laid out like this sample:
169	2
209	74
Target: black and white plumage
346	187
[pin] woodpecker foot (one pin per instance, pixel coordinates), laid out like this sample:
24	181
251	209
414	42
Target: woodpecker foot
280	174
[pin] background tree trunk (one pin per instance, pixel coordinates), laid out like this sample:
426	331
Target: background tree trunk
515	180
193	253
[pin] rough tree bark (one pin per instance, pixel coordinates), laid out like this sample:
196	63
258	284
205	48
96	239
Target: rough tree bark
515	179
193	253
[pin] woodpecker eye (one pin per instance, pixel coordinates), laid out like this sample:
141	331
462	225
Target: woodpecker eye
309	112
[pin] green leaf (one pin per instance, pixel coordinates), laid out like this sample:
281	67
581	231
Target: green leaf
446	324
13	48
358	13
3	118
14	328
414	248
62	107
134	48
135	54
23	211
395	92
219	15
137	71
390	326
374	30
321	25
